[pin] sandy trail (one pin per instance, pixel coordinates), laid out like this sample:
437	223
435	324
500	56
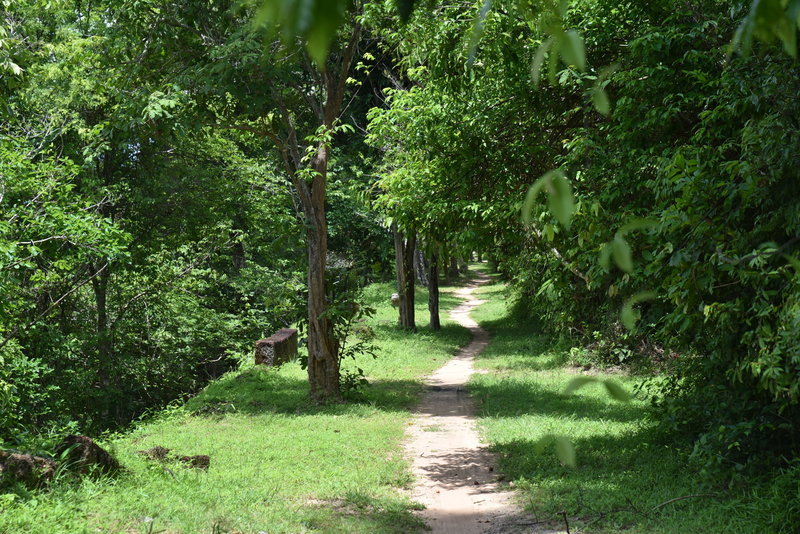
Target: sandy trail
455	474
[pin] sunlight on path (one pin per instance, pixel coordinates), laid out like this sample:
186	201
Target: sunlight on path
455	474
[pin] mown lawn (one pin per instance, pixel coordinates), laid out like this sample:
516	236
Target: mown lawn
278	463
625	470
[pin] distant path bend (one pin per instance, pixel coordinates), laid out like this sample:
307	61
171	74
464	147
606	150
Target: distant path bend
455	474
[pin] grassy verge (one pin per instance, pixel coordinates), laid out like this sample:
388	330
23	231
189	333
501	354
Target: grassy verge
625	471
278	463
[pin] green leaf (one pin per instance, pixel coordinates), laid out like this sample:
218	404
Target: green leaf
565	451
616	391
627	314
605	256
540	444
477	31
621	252
795	262
578	382
538	60
600	101
530	198
560	200
572	49
314	21
638	224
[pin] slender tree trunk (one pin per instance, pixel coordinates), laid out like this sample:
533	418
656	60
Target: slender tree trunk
421	267
323	347
453	268
462	265
433	291
104	348
404	263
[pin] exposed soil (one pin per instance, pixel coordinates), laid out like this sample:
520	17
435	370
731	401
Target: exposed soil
456	478
31	471
84	456
162	454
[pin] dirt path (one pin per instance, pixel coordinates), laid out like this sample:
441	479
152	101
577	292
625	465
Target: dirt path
455	473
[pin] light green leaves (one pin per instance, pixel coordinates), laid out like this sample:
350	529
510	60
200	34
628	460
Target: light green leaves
619	250
572	49
628	315
565	450
599	96
566	44
600	101
768	21
477	30
794	262
313	21
561	203
613	388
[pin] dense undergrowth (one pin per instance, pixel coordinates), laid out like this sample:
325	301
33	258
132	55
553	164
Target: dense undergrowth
278	463
628	470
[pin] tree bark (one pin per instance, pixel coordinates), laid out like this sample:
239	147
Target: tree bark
404	247
462	265
323	353
323	347
433	291
104	347
453	268
421	267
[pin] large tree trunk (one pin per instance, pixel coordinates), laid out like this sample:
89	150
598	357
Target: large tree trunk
323	357
323	347
433	291
404	263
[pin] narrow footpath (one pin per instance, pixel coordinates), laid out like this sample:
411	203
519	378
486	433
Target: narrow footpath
455	474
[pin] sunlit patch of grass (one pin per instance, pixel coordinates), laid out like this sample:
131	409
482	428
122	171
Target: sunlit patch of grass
625	470
278	462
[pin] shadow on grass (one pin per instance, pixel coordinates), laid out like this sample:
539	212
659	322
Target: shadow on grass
623	471
361	512
260	390
512	397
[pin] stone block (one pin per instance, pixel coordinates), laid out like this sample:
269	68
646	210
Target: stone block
278	348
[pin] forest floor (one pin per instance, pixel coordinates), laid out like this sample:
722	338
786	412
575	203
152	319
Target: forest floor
279	464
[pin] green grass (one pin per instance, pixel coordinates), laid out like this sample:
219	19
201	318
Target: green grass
278	463
624	468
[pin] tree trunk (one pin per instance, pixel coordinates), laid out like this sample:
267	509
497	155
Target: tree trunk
323	347
453	268
462	265
433	291
323	353
104	347
404	263
421	268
